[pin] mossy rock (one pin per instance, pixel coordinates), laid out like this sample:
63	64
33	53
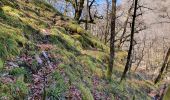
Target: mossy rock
75	28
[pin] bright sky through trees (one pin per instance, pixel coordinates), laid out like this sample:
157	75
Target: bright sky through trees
101	1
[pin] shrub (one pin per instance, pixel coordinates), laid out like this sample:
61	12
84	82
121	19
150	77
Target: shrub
10	20
58	88
17	71
19	90
86	93
8	47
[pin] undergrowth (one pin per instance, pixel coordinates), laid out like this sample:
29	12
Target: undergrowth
80	58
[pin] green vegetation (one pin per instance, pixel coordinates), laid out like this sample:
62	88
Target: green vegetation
1	64
17	71
17	90
86	93
78	58
167	96
58	87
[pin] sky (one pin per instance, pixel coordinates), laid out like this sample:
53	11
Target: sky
101	1
118	2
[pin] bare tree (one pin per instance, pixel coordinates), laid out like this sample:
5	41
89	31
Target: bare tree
89	18
125	26
106	32
131	41
141	52
78	6
163	66
112	40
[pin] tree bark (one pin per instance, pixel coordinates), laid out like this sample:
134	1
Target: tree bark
87	15
107	23
163	66
131	42
112	39
78	8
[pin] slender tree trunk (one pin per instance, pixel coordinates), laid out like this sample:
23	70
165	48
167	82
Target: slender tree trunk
131	42
112	39
163	66
87	15
107	22
142	55
125	26
77	14
167	66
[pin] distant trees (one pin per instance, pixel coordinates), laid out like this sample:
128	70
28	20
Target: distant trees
118	24
112	39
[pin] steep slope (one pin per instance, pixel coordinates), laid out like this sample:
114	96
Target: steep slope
45	55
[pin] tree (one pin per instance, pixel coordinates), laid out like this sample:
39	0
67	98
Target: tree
88	13
112	40
141	53
131	41
78	6
163	66
125	26
106	32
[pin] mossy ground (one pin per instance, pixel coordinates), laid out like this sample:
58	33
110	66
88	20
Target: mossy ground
29	28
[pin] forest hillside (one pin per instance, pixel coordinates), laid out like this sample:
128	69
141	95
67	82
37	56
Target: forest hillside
45	55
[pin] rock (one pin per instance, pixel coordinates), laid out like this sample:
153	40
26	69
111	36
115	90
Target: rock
38	59
45	32
4	74
47	58
11	64
44	54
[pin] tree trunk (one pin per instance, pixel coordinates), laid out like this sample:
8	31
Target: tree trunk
107	22
87	15
125	26
77	14
131	42
112	39
78	6
163	66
